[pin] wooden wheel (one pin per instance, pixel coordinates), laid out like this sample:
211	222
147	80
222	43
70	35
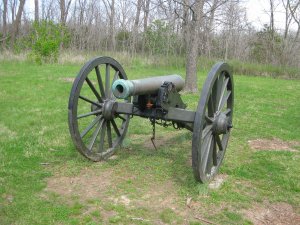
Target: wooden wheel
213	121
95	128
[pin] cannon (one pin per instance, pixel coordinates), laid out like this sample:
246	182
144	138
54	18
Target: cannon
103	100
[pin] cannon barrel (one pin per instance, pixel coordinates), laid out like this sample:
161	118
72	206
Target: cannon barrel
124	88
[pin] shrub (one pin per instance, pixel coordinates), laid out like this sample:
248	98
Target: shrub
46	39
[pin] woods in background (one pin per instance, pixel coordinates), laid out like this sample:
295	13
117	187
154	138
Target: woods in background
211	28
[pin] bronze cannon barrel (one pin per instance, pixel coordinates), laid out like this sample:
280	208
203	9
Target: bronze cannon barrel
124	88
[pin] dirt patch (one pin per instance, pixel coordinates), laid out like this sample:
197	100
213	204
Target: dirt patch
277	213
67	79
87	185
91	184
273	145
218	181
160	196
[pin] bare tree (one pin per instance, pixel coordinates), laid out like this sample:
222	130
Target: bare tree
135	30
110	11
4	26
209	26
64	11
272	8
194	26
13	6
17	21
294	6
146	13
36	11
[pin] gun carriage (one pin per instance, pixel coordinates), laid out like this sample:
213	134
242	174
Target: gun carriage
103	100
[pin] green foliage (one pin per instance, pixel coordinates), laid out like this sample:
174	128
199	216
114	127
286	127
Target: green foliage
123	35
161	40
122	39
46	39
267	46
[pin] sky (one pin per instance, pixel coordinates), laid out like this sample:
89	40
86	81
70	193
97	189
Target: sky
257	12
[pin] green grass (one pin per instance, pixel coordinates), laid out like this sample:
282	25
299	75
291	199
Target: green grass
34	131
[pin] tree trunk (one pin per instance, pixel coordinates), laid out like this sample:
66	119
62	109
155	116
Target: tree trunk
136	26
146	14
13	10
64	10
193	47
17	22
111	40
210	28
36	11
186	24
4	28
272	18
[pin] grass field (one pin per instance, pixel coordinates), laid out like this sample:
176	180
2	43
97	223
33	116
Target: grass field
43	180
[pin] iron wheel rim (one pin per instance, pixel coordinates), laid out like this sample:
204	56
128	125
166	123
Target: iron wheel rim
102	126
217	97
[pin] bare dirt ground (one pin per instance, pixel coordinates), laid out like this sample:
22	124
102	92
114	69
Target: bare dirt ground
275	213
86	185
159	141
92	184
156	197
273	145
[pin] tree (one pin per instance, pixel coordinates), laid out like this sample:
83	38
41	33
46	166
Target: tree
4	27
136	25
110	10
36	11
64	10
16	23
193	29
146	8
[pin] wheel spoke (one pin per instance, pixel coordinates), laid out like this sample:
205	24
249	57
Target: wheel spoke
93	89
216	91
90	101
121	117
211	152
116	76
107	80
109	134
89	127
206	149
223	92
206	130
208	119
210	106
224	100
100	81
102	136
115	127
95	134
215	156
218	140
89	114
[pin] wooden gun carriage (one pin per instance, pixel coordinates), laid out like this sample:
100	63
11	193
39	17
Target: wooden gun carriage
102	101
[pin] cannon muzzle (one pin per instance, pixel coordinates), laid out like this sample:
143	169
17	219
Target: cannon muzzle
124	88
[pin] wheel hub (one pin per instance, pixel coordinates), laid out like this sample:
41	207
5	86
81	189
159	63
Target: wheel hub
221	124
109	109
